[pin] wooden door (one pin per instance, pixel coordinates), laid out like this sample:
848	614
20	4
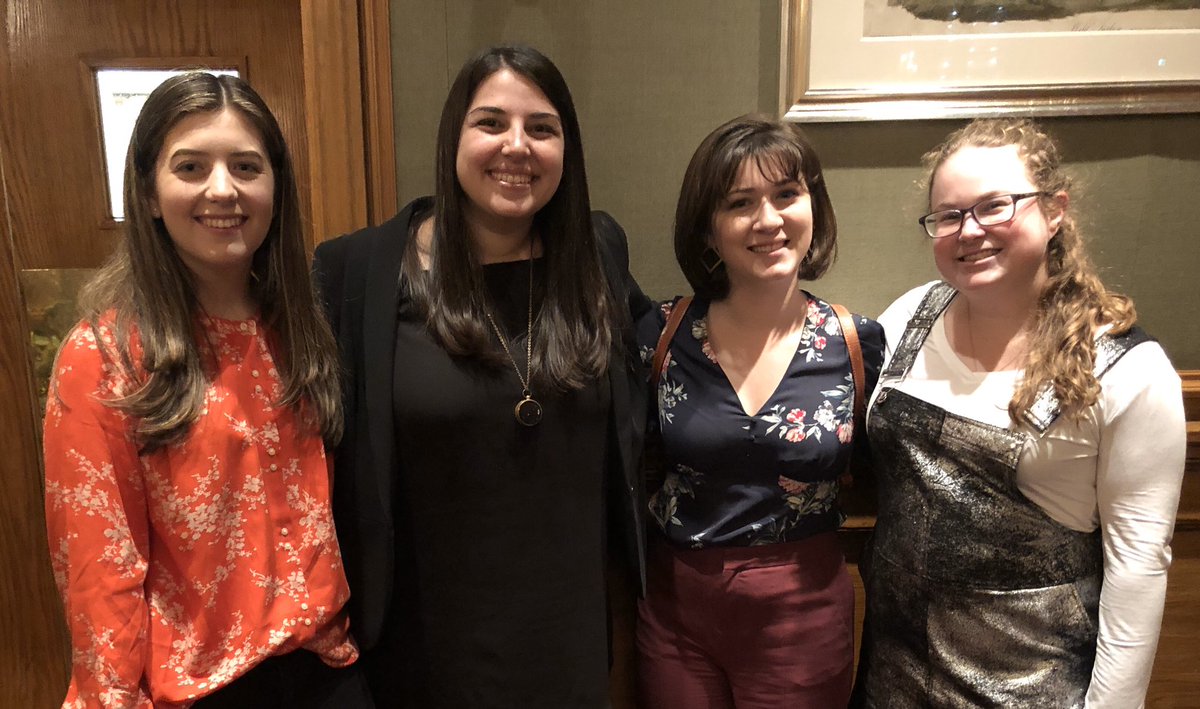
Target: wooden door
316	63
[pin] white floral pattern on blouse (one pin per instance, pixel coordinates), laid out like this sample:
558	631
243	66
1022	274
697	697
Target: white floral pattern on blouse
183	568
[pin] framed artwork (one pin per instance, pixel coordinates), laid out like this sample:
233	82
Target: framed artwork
851	60
121	87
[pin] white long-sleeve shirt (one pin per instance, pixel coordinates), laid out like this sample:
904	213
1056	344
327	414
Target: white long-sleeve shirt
1118	468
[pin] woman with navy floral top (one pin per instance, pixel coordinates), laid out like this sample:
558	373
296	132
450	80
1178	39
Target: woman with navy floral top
749	602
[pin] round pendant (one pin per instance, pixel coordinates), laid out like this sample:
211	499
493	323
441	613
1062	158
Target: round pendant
528	412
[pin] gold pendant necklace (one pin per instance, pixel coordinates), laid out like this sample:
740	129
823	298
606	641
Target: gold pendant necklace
527	411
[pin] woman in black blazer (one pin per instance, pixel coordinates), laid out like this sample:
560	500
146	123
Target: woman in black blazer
493	410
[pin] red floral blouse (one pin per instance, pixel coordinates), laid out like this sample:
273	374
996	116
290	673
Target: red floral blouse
183	568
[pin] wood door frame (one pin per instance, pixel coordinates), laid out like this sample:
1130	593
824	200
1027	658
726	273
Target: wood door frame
375	31
348	115
89	66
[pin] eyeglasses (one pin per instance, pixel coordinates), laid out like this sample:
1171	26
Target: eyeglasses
993	211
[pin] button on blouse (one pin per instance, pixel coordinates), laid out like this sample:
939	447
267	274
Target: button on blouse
176	567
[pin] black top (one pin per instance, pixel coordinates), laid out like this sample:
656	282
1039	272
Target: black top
359	279
507	534
734	479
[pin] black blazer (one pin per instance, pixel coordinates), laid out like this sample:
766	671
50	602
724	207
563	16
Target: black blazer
358	276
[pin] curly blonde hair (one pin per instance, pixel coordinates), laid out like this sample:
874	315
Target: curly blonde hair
1074	302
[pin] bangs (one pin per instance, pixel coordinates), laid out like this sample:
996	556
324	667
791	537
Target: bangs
776	160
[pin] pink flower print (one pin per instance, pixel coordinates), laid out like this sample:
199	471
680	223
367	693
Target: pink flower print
666	308
796	416
708	352
792	487
845	432
819	342
795	435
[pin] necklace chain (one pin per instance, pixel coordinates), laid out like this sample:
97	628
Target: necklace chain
528	338
528	411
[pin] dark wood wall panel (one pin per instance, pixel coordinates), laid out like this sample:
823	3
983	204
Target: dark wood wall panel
1176	678
33	639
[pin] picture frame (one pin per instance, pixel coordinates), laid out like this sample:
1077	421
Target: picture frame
832	70
118	87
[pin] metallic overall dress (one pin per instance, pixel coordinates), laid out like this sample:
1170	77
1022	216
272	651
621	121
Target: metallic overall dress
975	597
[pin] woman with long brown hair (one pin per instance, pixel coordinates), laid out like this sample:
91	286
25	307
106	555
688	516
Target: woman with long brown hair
493	413
187	488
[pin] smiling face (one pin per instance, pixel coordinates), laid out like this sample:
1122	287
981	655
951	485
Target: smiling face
1005	256
510	152
215	192
763	227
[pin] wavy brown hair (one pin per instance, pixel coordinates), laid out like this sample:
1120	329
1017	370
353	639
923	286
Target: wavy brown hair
149	288
1074	302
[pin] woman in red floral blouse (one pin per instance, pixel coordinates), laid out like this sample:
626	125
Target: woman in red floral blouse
187	488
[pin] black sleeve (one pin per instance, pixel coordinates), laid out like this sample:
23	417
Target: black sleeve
614	246
328	269
860	499
873	340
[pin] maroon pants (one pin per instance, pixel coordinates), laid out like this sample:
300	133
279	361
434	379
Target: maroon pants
747	627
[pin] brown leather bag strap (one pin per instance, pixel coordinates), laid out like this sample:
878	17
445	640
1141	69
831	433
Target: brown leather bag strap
854	347
850	332
664	339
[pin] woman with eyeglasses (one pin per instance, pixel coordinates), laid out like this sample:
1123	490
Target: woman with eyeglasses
1032	443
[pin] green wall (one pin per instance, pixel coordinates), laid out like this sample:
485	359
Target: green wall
652	77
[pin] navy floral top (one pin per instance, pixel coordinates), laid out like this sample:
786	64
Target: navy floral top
737	480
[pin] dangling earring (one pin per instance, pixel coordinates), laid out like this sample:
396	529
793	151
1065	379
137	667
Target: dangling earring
710	259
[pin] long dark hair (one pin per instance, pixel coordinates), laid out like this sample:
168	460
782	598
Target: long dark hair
573	330
150	289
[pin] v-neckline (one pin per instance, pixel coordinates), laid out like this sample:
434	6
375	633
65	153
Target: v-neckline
712	357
